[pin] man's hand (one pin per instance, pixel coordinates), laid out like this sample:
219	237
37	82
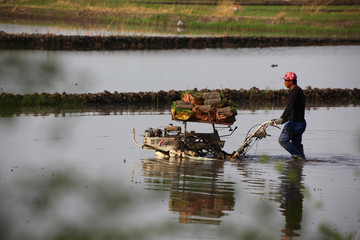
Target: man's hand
278	121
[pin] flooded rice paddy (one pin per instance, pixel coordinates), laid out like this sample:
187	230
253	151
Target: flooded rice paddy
134	71
63	30
79	175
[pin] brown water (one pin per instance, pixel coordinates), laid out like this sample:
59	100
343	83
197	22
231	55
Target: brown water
79	175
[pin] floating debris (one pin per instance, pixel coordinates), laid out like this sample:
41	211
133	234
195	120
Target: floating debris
180	23
235	7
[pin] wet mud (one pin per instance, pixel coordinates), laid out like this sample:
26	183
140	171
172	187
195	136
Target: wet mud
88	43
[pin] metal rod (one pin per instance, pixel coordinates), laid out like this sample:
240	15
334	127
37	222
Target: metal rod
185	129
133	137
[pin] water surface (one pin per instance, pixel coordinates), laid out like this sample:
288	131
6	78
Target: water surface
134	71
73	30
81	174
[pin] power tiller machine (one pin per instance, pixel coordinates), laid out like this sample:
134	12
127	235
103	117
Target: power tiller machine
208	107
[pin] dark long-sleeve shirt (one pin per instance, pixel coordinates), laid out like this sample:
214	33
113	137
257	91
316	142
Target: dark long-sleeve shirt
295	109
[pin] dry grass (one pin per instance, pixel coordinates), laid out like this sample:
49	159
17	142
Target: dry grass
65	3
280	18
126	7
315	6
188	11
224	9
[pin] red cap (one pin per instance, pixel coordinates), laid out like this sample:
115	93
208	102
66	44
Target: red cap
290	76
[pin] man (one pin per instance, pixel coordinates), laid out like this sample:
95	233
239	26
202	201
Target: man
293	117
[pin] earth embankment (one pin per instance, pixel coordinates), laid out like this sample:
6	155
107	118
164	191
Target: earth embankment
88	43
166	98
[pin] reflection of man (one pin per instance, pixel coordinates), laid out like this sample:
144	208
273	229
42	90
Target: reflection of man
293	115
292	198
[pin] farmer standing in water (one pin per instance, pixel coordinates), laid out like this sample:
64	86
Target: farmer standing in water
293	117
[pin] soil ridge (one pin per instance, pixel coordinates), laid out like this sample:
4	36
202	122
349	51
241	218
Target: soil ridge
99	43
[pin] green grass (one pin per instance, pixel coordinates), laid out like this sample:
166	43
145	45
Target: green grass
322	20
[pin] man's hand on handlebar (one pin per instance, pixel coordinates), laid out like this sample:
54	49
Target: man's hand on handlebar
278	121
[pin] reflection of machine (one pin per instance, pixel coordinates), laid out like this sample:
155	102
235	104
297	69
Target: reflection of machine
171	141
208	107
198	190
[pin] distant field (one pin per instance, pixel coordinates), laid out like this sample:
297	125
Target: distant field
225	18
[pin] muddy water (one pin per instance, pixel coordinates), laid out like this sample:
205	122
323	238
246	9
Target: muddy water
80	174
134	71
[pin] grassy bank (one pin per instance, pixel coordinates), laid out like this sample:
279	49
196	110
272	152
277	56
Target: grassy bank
219	19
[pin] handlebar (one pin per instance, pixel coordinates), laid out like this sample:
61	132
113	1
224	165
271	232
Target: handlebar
259	133
271	123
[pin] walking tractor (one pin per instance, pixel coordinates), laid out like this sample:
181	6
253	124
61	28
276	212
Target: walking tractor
210	108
